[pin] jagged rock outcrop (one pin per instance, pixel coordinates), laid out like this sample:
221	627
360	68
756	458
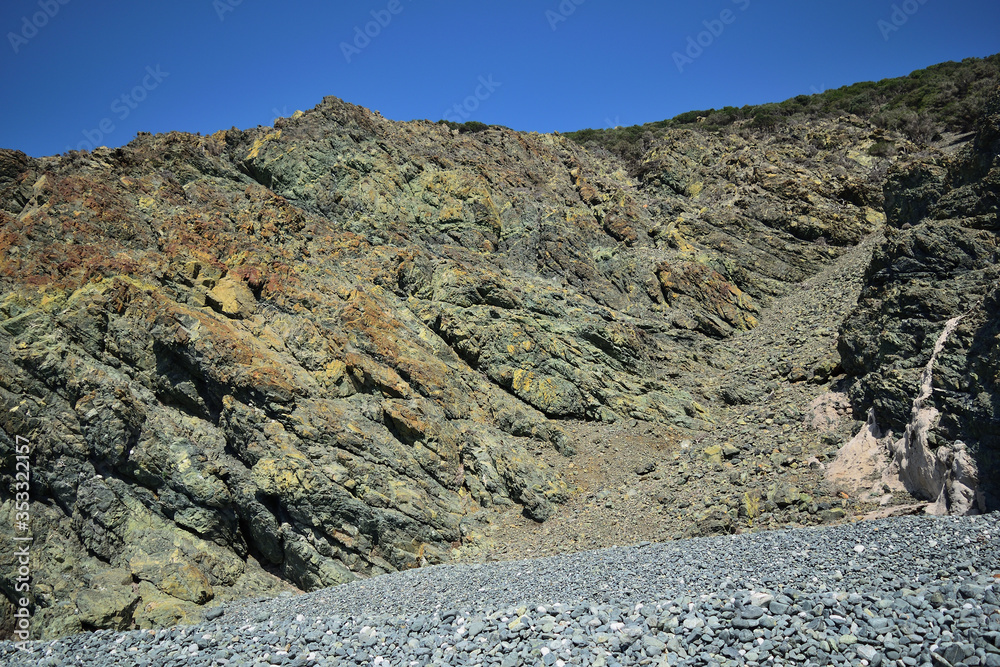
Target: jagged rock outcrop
924	338
296	355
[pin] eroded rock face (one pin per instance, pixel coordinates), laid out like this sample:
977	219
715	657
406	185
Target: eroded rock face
937	274
293	356
232	298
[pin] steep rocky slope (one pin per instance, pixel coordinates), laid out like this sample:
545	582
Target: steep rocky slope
292	356
927	324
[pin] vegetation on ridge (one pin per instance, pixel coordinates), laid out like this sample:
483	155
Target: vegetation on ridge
922	105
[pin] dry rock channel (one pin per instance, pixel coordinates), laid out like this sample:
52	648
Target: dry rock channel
763	465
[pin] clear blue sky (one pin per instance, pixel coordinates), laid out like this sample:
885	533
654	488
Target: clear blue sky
82	70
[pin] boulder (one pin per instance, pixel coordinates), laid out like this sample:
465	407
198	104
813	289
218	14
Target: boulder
232	298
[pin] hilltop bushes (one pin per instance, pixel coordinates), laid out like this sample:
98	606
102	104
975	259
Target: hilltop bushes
945	97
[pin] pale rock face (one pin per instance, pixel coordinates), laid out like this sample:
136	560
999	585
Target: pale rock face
928	473
827	410
947	476
871	461
232	298
963	487
860	463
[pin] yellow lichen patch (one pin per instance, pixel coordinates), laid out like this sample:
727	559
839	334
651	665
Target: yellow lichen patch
555	488
146	202
674	238
522	380
336	472
542	391
276	477
862	158
494	221
547	391
53	300
874	217
335	370
373	497
183	462
404	495
258	143
451	212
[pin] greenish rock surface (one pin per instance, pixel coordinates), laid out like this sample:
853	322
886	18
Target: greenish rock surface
284	358
938	262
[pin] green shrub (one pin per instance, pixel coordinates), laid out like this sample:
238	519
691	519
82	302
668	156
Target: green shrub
766	120
689	117
467	127
948	96
882	149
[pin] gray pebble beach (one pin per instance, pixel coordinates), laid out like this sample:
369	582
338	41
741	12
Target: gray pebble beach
904	591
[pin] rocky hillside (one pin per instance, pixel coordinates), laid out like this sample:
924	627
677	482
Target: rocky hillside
928	318
284	358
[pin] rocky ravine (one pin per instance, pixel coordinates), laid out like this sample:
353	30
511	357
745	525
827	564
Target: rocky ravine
293	356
